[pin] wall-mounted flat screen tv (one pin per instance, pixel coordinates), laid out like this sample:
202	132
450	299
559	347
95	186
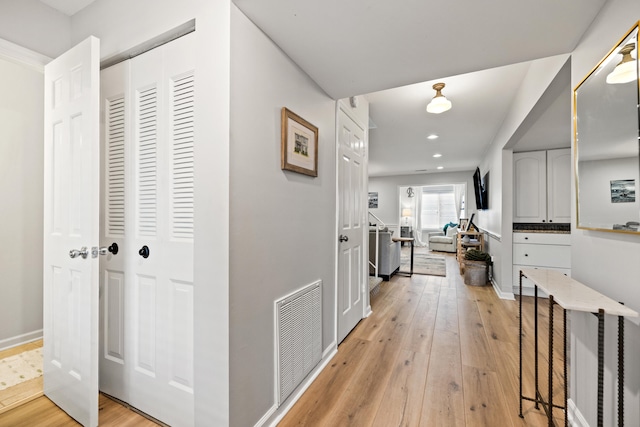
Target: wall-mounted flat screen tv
481	188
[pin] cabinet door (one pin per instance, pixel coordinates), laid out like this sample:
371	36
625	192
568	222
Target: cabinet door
530	187
559	185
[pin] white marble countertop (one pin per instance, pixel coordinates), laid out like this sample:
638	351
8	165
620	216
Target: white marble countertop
573	295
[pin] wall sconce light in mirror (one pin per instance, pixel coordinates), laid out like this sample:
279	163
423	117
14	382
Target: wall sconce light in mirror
606	130
626	71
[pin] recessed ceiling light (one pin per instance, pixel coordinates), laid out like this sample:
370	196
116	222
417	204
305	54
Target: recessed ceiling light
432	136
440	167
437	155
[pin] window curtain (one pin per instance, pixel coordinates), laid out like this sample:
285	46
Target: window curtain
458	192
417	226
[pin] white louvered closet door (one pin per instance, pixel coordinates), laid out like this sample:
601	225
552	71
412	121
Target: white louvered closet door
156	296
115	139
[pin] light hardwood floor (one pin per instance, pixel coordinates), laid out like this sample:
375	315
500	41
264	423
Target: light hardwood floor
435	352
25	405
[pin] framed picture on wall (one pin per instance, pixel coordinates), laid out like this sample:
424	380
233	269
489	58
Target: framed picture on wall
373	199
299	146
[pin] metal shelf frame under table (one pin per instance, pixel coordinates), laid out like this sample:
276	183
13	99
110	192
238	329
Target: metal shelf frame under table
572	295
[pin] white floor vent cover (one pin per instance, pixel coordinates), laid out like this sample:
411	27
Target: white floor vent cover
298	337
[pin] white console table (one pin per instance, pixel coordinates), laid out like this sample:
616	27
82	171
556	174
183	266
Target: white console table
572	295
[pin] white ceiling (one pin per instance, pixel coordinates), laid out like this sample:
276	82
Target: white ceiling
399	144
368	46
68	7
479	49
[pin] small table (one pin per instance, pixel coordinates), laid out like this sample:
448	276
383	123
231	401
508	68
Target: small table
477	243
410	241
571	295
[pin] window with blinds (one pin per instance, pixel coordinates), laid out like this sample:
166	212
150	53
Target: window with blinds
438	206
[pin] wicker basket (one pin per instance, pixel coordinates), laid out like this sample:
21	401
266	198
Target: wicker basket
475	273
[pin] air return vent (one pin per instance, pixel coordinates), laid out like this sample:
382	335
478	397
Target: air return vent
298	337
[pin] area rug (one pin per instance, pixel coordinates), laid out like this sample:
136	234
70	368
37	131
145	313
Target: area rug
432	265
20	367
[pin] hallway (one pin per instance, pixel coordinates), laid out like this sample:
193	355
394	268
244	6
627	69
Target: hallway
435	352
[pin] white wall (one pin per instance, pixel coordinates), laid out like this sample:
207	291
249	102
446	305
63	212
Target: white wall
21	189
282	223
36	26
388	209
498	219
498	240
607	262
122	24
596	208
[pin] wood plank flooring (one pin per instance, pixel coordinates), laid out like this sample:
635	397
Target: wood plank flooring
42	412
435	352
25	405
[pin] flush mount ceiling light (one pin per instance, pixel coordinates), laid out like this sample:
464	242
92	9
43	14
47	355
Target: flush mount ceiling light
439	103
432	136
440	167
625	71
437	155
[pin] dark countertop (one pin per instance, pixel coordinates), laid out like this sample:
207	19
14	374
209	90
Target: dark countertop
542	227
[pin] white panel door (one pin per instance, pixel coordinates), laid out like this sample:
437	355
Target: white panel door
71	205
147	288
161	309
352	277
115	140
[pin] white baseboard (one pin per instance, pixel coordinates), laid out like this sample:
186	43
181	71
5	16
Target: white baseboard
327	355
368	311
529	292
267	415
575	416
501	294
20	339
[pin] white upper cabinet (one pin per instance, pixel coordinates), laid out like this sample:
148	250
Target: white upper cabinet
530	186
559	185
542	186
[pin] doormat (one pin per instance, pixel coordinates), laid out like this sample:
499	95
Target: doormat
425	264
20	367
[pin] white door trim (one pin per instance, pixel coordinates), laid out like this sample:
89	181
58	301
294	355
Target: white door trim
343	104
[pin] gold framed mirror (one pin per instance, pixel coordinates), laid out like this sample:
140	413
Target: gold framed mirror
607	141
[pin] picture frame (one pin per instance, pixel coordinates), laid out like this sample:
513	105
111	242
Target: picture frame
623	191
299	145
373	199
463	224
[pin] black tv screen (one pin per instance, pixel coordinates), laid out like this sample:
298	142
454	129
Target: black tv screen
485	191
477	186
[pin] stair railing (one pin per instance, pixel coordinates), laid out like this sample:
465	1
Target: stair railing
379	226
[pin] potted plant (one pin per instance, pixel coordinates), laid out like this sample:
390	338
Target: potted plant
476	263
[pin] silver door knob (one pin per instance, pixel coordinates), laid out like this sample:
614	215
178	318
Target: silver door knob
343	238
113	248
83	252
95	251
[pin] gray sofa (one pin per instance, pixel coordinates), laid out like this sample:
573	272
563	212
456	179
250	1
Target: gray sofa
439	242
389	254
